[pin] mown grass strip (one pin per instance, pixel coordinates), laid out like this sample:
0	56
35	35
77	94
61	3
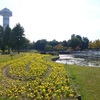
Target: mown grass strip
73	85
87	80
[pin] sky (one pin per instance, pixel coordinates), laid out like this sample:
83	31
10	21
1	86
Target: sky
55	19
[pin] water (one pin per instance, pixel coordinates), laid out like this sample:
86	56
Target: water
88	54
70	59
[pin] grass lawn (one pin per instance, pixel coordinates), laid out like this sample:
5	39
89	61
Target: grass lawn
7	57
86	80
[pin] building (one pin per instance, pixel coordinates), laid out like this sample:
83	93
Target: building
6	13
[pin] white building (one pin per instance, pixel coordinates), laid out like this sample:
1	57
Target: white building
6	13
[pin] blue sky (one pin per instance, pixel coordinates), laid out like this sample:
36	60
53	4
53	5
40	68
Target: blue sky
55	19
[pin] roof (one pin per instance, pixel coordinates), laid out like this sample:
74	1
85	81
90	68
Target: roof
5	11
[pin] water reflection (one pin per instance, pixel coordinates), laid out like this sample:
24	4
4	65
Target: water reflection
70	59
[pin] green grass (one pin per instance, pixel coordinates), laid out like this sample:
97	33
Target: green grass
7	57
86	80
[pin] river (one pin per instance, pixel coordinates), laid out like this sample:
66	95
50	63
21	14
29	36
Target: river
71	59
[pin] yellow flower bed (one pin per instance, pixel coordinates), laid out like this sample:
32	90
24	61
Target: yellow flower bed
32	78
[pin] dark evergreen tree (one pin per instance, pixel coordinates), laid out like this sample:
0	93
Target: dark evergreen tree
64	43
7	38
18	34
75	41
53	43
2	45
85	42
40	45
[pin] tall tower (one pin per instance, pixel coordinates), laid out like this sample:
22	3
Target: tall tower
6	13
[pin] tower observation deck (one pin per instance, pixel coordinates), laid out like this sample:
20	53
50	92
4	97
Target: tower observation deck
6	13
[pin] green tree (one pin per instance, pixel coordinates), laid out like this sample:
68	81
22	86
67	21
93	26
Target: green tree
18	34
13	41
26	43
48	47
85	43
75	41
65	43
40	45
78	43
1	35
2	45
7	38
53	43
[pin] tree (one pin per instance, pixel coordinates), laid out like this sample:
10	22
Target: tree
75	41
53	43
79	37
91	45
7	38
59	47
1	39
18	34
48	47
1	34
97	44
85	42
31	45
78	43
25	43
13	41
64	43
94	44
40	45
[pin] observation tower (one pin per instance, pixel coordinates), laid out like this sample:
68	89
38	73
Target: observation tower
6	13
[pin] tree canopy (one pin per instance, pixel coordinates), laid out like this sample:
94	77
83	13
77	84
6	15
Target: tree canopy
75	43
94	44
12	39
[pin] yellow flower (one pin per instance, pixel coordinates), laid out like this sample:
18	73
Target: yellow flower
43	90
71	95
67	88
